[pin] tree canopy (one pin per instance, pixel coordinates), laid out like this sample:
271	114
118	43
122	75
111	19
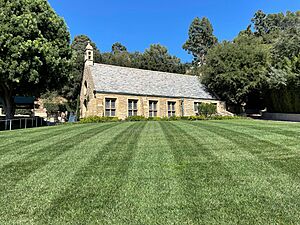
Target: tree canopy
200	39
156	57
236	69
265	62
34	48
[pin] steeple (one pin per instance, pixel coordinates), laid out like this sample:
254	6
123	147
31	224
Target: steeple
89	55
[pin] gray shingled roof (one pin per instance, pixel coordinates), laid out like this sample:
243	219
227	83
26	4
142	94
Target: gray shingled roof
116	79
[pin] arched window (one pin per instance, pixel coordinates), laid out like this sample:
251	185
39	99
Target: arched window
85	88
84	107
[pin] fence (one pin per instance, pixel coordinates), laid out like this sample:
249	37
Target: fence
21	123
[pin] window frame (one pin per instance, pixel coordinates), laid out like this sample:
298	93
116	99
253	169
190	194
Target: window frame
171	108
133	111
196	109
111	110
153	112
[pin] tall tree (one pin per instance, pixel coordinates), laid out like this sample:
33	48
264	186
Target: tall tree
283	90
118	56
235	70
118	48
158	58
35	51
272	24
201	39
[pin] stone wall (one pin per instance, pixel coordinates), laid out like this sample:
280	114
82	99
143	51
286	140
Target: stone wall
88	101
96	105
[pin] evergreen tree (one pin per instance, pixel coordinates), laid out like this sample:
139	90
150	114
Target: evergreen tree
158	58
200	40
118	48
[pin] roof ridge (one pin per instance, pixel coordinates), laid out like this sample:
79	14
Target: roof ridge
157	71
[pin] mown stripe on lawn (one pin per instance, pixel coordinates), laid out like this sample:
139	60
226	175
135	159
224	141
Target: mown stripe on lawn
153	193
52	179
11	173
27	139
94	192
277	187
19	153
200	171
279	155
266	128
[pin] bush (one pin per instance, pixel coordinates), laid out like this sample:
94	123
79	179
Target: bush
98	119
55	107
136	118
213	117
154	119
207	109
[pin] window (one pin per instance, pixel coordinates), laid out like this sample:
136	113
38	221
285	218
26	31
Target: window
132	107
171	109
85	88
196	107
110	107
152	108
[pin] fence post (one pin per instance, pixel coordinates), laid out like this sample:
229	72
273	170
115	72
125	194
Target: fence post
10	122
20	123
36	122
31	122
25	123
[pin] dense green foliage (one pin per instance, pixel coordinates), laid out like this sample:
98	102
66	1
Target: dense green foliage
207	109
264	64
55	107
98	119
207	113
236	69
181	172
200	39
156	57
34	48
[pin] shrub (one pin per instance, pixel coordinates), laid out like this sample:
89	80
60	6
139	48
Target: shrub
98	119
154	119
136	118
207	109
213	117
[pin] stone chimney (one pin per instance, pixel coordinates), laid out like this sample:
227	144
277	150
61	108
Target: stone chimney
89	55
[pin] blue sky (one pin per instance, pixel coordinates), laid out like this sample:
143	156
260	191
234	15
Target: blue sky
139	23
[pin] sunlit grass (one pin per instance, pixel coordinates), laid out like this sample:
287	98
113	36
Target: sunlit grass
181	172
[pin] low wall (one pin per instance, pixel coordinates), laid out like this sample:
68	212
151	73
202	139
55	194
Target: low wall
281	116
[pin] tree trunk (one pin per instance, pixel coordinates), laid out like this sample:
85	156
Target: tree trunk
9	107
8	101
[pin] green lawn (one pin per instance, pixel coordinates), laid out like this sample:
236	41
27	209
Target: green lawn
181	172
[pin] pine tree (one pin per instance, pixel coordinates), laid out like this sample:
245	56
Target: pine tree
200	39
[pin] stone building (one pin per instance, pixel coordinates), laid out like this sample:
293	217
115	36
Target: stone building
120	91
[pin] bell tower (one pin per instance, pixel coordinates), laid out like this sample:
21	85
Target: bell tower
89	55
